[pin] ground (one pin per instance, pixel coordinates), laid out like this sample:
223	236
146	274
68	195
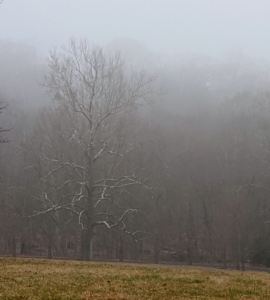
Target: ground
56	279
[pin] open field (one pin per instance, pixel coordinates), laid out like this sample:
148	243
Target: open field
44	279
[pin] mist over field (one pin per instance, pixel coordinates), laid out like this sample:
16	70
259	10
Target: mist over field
135	130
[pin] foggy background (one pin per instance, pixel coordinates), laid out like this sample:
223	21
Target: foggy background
159	153
172	27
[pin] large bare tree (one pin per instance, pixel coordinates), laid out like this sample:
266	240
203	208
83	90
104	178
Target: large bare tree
87	140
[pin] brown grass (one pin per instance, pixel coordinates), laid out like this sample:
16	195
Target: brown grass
44	279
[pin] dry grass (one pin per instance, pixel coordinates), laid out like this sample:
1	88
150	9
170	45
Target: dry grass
43	279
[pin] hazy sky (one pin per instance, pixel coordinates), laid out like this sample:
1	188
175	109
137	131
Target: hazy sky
213	27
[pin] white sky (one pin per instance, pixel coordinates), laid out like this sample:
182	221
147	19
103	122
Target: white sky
212	27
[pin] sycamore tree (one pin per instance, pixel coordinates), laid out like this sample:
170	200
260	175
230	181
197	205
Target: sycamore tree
84	147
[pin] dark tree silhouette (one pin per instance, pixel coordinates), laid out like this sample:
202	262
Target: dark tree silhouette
2	130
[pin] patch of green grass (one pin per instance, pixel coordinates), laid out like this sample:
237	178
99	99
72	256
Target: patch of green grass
52	279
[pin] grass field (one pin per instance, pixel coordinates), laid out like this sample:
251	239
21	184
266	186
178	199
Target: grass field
52	279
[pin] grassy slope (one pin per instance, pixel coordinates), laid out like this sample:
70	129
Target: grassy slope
44	279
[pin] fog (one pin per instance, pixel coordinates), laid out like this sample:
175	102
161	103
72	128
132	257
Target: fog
135	130
170	27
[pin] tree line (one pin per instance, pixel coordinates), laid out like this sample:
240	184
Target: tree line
168	163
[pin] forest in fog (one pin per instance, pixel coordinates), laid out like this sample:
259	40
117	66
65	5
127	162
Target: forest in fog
123	155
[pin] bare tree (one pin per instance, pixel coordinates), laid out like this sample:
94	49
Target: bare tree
2	130
86	139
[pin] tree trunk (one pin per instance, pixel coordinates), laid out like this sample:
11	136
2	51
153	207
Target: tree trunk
208	224
13	247
22	251
50	249
63	245
157	249
109	247
86	244
224	256
121	247
189	255
242	255
57	240
87	233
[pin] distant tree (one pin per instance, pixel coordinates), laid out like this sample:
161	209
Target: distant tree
2	130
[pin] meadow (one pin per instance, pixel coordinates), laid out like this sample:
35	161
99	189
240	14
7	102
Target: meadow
56	279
